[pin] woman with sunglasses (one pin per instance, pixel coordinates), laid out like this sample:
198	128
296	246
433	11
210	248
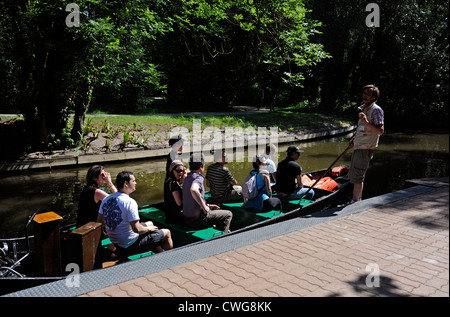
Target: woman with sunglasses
173	197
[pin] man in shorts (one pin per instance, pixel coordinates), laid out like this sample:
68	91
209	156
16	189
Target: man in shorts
119	212
365	141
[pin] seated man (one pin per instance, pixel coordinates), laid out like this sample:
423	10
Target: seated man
119	213
289	177
197	213
271	168
220	181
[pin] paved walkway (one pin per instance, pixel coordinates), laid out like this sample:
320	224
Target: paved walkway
398	249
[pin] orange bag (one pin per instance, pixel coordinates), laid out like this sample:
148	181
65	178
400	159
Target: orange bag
326	183
340	170
306	181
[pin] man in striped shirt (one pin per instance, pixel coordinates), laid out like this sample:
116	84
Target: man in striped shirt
223	186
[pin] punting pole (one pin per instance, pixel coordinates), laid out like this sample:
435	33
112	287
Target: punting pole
325	173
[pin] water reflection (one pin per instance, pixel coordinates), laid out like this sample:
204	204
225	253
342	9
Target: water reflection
400	156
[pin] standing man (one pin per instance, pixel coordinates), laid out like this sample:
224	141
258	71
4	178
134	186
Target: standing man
197	213
223	186
119	213
365	141
289	177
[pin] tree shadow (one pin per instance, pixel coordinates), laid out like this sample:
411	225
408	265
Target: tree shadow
388	287
430	224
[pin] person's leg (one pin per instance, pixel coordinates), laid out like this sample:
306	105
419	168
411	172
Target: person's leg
309	195
357	192
151	241
220	218
358	168
234	196
272	204
300	194
167	242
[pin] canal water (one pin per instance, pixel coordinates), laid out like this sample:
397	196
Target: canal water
400	156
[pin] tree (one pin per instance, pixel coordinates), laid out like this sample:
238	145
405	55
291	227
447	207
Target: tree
407	56
57	67
220	48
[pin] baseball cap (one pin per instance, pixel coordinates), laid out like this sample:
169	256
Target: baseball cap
293	149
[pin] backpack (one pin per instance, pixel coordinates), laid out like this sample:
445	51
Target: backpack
249	188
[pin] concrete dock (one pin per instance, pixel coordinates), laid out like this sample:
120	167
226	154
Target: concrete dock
392	245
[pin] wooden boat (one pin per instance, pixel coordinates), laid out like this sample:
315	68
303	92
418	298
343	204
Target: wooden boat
17	256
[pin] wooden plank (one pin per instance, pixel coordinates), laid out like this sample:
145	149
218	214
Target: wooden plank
48	243
46	217
88	241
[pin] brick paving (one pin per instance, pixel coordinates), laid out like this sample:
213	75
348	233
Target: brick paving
398	249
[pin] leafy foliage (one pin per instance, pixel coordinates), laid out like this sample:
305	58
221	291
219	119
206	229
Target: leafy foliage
205	54
407	56
228	47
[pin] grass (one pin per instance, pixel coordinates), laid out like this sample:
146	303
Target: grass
294	117
284	119
142	130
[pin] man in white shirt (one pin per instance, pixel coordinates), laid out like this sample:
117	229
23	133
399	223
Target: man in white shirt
365	141
271	167
119	212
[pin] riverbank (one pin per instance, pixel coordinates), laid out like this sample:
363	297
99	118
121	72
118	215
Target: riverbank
110	138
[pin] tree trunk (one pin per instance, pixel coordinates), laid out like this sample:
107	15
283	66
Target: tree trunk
81	108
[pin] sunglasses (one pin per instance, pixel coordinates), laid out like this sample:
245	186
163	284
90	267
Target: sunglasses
180	171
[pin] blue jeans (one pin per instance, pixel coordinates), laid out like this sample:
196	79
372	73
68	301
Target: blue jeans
300	192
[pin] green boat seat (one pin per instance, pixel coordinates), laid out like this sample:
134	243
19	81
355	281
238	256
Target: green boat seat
181	233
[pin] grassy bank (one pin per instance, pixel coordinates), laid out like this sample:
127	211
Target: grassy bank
105	133
285	120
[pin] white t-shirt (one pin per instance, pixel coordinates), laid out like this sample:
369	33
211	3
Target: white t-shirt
119	210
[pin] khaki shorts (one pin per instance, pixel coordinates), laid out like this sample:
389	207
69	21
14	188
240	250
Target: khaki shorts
359	165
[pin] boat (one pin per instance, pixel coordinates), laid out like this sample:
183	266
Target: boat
17	255
18	260
244	220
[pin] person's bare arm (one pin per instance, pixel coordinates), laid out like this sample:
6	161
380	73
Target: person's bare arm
195	191
138	228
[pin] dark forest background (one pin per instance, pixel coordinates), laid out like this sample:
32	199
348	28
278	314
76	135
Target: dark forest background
145	56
